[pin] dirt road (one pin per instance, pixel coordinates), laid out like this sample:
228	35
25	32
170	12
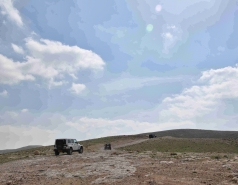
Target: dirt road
120	167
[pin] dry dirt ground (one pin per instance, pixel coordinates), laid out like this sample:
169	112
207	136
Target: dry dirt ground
121	167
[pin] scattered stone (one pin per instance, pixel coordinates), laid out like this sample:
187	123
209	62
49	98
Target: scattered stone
9	182
233	175
226	166
37	152
151	182
235	180
173	153
166	162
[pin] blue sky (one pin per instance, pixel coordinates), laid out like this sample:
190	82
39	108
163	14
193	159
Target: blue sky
85	69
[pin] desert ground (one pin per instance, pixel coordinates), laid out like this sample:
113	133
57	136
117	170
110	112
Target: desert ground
131	161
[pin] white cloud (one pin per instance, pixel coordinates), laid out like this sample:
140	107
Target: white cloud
128	82
73	76
104	127
49	60
198	101
63	57
77	88
4	93
11	72
24	110
171	35
16	136
167	36
52	59
17	49
9	10
16	130
171	27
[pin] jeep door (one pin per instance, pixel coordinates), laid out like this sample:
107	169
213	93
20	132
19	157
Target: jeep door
70	143
59	144
76	145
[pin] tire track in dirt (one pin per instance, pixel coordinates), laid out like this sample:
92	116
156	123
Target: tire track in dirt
131	143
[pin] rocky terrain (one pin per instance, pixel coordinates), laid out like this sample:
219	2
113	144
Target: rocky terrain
121	166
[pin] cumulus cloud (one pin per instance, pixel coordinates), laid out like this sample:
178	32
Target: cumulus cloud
50	60
213	87
77	88
12	13
11	72
63	57
17	49
4	93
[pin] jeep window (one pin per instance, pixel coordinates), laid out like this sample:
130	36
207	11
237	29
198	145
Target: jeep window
69	140
75	141
72	141
60	141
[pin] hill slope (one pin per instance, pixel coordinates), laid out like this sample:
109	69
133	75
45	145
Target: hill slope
19	149
197	133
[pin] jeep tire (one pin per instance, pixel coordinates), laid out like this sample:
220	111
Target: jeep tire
56	152
81	150
70	151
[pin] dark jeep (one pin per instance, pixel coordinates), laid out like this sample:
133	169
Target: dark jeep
107	146
152	136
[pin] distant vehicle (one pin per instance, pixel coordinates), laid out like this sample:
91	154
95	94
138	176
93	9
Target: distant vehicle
107	146
68	146
152	136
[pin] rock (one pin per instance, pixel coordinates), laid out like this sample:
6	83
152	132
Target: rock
173	153
166	162
37	152
9	182
235	180
226	165
235	175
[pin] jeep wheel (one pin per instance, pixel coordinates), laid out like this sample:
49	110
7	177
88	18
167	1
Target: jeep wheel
81	150
56	152
70	151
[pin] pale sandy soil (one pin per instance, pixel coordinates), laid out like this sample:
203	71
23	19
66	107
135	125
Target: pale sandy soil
121	167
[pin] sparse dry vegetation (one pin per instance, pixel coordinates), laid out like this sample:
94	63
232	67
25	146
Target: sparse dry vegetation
24	154
132	160
169	144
